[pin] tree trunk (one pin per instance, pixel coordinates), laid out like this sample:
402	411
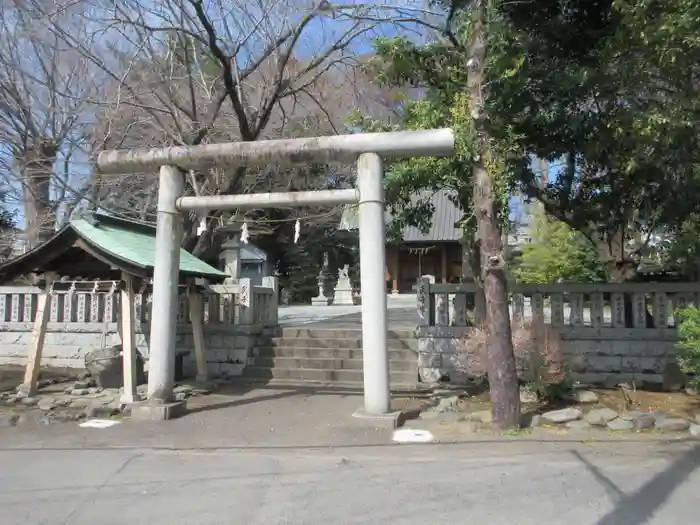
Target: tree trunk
503	379
39	213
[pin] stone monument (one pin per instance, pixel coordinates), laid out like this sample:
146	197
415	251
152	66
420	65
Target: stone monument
321	299
343	288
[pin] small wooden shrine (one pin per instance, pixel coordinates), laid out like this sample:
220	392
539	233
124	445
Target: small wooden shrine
99	253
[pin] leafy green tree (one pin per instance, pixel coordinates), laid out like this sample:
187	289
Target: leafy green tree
557	254
605	86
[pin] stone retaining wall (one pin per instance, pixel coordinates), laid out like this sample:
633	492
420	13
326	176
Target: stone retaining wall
594	355
227	347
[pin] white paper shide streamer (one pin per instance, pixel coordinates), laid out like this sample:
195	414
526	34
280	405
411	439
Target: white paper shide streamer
244	233
297	230
202	226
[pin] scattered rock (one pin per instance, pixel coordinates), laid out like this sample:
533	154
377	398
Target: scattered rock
562	416
79	392
46	403
62	401
578	424
8	420
644	422
673	377
101	411
186	389
631	415
620	424
527	395
672	424
29	401
482	416
206	392
447	404
600	416
695	430
585	396
80	402
141	390
95	390
109	392
691	391
182	396
84	384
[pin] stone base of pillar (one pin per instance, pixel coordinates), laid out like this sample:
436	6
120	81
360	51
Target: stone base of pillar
320	301
394	292
148	411
389	420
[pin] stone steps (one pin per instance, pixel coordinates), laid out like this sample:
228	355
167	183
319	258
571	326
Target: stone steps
327	342
336	353
327	363
335	333
326	377
328	358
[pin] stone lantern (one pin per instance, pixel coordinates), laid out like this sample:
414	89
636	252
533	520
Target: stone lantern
230	255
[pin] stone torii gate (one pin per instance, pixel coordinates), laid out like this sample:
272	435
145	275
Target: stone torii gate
367	149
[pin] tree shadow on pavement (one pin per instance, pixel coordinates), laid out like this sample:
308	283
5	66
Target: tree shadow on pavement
638	508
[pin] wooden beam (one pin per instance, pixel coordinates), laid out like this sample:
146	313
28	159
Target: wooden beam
443	261
36	345
127	324
197	320
395	269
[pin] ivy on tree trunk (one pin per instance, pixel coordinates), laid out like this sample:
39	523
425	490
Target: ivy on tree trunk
503	381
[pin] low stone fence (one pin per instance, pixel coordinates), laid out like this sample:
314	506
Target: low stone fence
610	332
81	322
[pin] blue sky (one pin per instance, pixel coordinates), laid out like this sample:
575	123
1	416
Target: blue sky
317	36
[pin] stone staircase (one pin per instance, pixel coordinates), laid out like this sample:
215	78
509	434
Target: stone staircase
327	358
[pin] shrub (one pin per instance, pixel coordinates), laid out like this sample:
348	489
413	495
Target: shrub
689	343
538	354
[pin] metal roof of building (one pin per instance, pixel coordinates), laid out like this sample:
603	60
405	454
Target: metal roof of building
124	243
442	227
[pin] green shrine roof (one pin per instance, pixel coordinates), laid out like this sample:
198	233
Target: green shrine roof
122	244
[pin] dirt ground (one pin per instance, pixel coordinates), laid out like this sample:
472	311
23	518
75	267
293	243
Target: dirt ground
677	404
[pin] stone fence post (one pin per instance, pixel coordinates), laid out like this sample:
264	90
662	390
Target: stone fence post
273	314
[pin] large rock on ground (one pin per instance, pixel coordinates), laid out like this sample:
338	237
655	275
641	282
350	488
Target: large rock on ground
585	397
562	416
578	424
644	421
672	424
620	424
695	430
600	416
